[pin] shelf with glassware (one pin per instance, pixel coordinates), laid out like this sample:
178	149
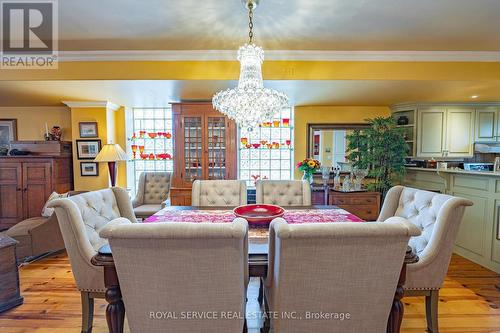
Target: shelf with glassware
266	152
150	135
264	144
406	119
146	146
140	153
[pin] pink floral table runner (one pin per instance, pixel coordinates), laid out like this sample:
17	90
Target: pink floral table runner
293	216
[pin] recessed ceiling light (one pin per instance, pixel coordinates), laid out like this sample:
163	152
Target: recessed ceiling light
474	96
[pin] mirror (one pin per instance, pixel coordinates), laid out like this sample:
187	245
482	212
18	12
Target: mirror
327	143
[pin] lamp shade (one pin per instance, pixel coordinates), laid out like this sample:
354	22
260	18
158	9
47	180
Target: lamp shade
111	153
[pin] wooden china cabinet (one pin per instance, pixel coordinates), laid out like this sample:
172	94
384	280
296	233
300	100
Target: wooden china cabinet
204	148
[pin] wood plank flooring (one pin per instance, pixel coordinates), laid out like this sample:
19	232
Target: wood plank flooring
469	302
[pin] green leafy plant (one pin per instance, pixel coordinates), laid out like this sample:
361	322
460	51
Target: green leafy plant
381	148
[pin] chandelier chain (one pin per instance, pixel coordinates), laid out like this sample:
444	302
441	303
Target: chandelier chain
250	23
250	104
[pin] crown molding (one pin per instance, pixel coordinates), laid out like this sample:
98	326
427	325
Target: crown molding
92	104
416	105
299	55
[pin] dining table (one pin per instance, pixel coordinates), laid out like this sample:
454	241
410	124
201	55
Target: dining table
257	252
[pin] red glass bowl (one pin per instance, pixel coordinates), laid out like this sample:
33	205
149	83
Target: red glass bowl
260	215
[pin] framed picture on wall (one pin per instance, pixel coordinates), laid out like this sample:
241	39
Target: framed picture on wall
87	149
88	169
8	132
88	129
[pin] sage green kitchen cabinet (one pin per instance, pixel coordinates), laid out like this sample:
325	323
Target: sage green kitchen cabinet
459	132
445	132
431	127
478	237
486	124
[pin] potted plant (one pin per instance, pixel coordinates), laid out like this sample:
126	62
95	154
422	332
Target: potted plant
308	166
382	149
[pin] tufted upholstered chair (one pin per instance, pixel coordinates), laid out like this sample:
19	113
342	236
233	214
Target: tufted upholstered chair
335	267
80	218
219	193
152	193
283	192
438	216
182	267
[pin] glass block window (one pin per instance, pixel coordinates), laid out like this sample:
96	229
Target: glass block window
151	144
266	152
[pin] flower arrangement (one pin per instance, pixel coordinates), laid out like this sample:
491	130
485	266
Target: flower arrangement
308	166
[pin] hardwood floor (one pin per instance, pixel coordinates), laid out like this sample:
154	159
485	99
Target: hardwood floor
469	302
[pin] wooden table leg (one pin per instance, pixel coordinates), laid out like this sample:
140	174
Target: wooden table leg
115	311
397	310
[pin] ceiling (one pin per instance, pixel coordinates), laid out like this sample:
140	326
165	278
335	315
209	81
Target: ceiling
465	25
367	25
160	93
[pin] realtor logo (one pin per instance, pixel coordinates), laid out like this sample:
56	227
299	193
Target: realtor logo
29	34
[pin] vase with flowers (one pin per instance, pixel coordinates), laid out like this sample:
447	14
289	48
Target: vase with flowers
308	167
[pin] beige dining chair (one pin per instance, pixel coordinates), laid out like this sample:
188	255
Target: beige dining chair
438	216
283	192
182	268
153	193
219	193
80	218
346	270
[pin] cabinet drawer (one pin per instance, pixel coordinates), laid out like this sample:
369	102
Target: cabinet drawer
353	200
365	212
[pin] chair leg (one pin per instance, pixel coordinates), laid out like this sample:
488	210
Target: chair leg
87	312
431	311
266	327
261	292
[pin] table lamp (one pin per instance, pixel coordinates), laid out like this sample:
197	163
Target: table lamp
111	153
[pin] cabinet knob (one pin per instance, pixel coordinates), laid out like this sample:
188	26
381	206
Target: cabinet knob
18	189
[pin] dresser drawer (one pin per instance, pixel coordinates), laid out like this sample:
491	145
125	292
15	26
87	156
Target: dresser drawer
365	212
353	200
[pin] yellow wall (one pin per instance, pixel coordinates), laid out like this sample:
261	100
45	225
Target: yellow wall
305	115
272	70
78	115
111	129
31	120
121	139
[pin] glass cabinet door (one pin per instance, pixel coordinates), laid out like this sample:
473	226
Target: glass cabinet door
216	148
193	148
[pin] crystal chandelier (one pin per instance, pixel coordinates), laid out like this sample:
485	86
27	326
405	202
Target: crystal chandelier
250	104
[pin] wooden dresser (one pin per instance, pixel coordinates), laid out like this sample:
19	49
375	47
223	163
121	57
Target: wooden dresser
365	205
10	295
27	181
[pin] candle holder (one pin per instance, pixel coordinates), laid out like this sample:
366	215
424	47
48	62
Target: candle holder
55	134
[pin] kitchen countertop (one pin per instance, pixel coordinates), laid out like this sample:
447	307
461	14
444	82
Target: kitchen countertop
461	171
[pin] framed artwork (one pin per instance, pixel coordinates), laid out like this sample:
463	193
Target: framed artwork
87	149
88	129
88	169
8	131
